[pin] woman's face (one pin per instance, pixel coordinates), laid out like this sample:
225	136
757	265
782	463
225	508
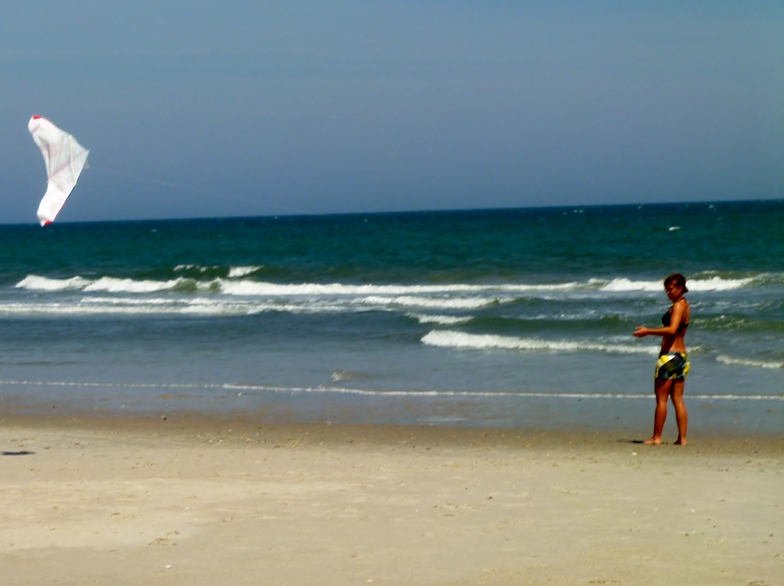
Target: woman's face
674	292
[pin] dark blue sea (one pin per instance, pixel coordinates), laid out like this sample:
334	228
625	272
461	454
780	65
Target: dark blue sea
495	318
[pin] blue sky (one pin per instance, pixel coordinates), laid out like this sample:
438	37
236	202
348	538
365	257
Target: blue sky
238	108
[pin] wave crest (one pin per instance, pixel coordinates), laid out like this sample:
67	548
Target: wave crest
444	320
724	359
452	339
235	284
622	284
36	283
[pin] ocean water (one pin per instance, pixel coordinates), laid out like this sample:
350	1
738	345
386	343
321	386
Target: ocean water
502	318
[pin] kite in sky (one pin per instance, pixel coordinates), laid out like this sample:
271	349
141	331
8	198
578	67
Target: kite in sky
64	157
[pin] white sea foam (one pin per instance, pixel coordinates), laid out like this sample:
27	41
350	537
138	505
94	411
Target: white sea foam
199	268
127	301
518	288
718	284
241	391
452	339
748	362
620	285
218	310
447	295
236	272
191	306
590	314
107	284
134	306
246	287
262	288
64	309
112	285
430	302
36	283
444	320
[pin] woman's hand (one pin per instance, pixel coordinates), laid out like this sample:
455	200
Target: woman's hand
640	332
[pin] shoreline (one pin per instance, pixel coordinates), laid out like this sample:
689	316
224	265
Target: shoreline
736	419
246	428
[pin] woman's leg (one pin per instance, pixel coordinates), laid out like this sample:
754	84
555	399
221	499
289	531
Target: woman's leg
662	388
681	415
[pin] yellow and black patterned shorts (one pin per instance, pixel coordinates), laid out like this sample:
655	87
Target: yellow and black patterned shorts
673	365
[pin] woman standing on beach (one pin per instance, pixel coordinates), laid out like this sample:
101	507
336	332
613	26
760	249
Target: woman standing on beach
673	363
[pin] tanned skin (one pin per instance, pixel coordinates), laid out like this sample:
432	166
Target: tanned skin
672	341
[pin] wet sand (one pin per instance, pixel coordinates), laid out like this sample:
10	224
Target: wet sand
199	502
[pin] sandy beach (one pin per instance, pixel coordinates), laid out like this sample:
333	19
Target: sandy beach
186	501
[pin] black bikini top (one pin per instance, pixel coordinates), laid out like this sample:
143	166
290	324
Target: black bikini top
667	319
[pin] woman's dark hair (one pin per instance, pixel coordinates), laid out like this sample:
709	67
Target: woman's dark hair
678	280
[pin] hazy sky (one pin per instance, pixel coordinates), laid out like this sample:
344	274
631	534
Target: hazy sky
206	108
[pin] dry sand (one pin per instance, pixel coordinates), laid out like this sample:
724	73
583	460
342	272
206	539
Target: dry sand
214	502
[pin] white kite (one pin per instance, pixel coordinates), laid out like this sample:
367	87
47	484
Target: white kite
64	157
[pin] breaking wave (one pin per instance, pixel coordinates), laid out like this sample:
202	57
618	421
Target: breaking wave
749	362
452	339
236	285
104	284
236	272
710	284
444	320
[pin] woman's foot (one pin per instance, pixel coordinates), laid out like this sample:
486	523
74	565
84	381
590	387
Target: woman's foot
681	441
654	441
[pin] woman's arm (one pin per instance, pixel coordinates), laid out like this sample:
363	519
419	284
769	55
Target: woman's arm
670	330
